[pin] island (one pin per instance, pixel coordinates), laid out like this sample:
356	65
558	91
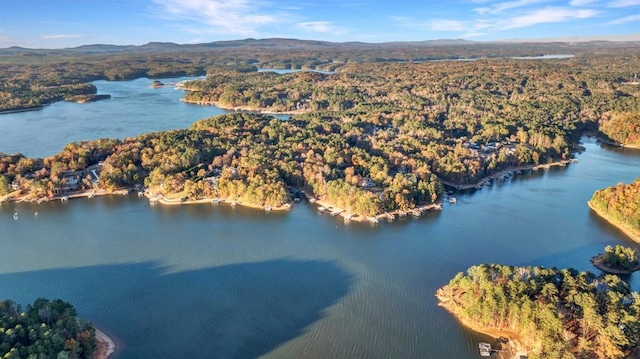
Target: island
546	312
617	260
45	329
620	206
157	84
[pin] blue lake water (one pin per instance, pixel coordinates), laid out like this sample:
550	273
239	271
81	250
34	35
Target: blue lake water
205	281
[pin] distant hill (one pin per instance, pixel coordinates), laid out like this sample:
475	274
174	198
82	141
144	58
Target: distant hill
288	44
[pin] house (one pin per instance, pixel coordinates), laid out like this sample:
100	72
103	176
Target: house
367	182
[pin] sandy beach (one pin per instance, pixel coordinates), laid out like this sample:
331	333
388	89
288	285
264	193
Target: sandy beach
105	345
176	199
347	216
244	108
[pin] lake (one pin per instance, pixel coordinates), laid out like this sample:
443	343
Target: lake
216	281
134	108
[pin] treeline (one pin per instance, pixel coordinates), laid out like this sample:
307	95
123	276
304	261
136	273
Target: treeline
620	258
556	313
621	203
623	128
46	329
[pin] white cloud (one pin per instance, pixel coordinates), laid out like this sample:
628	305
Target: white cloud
447	25
320	26
434	24
508	5
624	3
473	34
547	15
240	17
61	36
580	2
625	20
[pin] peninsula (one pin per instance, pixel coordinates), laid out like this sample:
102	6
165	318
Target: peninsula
547	312
372	139
620	206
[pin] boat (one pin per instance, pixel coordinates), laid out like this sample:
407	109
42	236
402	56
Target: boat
453	200
153	200
485	349
215	201
267	209
15	216
321	209
347	218
235	201
373	220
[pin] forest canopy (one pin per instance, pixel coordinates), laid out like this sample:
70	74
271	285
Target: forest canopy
620	204
45	329
557	313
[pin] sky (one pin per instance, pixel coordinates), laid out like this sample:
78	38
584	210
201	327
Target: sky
69	23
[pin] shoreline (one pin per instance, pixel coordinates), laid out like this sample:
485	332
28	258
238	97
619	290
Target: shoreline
166	200
630	232
597	262
349	217
494	176
513	348
614	143
105	345
243	108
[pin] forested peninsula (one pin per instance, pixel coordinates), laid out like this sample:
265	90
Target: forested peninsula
548	312
620	205
45	329
379	135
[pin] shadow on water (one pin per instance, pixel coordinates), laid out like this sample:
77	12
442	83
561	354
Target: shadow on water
232	311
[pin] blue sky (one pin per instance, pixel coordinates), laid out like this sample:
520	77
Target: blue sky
67	23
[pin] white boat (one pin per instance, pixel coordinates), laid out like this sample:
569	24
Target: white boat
267	209
15	216
321	209
373	220
453	200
